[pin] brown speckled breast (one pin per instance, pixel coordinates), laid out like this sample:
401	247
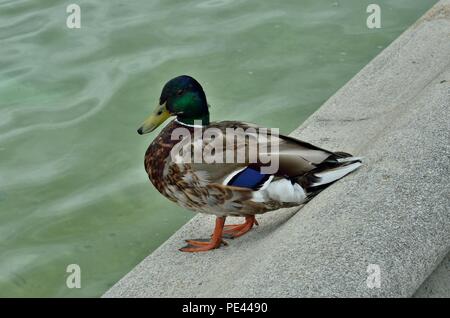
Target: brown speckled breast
156	157
192	188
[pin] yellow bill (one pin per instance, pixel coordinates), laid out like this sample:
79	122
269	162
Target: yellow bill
159	115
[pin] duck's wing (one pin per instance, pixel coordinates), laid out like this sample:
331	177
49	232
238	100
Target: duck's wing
286	179
229	147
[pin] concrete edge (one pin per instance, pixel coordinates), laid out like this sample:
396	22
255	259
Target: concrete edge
440	11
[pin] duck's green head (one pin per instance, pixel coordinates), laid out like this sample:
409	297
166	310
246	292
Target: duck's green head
182	97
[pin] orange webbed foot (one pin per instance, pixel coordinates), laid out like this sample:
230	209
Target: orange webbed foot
207	245
202	246
236	230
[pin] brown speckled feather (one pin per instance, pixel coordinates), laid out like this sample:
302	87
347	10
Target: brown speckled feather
199	186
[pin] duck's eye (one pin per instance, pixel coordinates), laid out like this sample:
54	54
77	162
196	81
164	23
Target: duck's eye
179	92
159	112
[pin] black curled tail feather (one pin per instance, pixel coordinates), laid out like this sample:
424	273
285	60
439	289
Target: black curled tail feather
335	167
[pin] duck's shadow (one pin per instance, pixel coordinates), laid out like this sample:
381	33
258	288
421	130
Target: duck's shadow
269	224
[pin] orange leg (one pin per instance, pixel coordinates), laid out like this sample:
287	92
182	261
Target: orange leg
203	246
236	230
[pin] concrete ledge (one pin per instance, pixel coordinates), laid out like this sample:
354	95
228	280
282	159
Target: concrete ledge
393	212
438	283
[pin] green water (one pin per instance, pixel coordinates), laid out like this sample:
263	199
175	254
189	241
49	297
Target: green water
72	184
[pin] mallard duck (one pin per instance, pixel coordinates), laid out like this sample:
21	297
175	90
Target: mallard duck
241	186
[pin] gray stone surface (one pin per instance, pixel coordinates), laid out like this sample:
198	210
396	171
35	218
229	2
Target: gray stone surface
393	212
438	283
